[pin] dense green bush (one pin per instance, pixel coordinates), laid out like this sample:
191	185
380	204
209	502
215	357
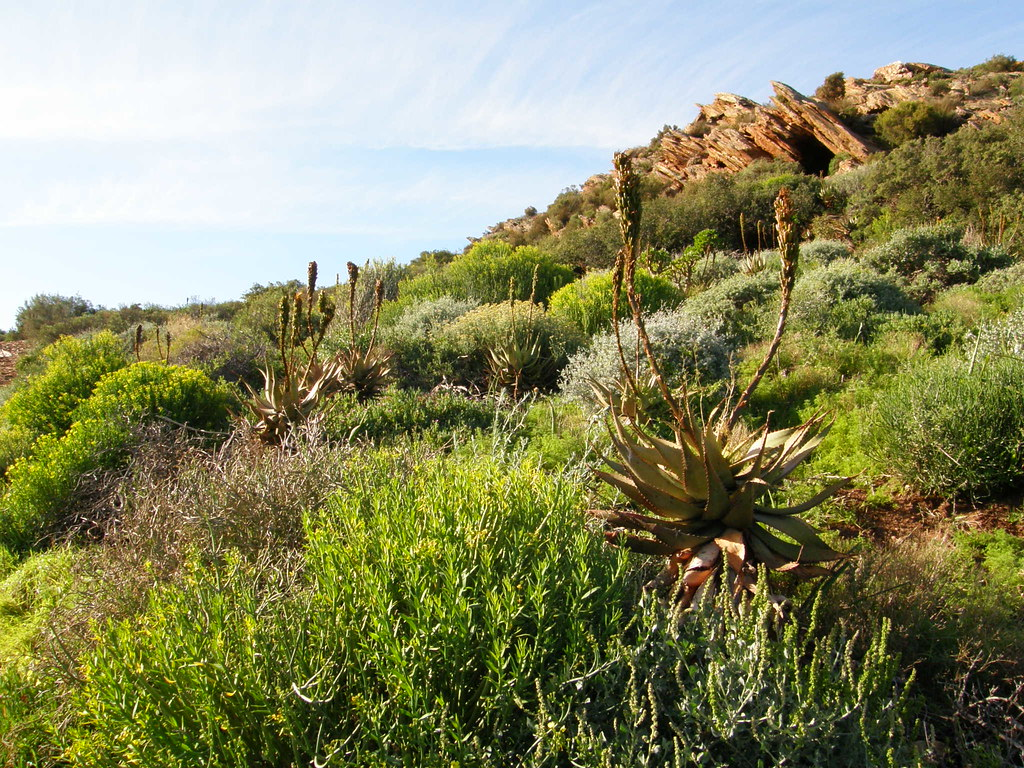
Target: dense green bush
183	395
487	326
934	257
592	247
912	120
489	271
686	347
439	595
412	336
458	611
37	316
944	428
848	300
587	303
972	176
15	441
44	484
45	403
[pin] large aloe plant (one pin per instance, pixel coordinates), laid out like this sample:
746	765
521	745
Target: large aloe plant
705	493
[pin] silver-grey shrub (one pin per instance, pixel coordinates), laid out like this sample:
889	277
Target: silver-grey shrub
421	320
683	342
848	299
824	252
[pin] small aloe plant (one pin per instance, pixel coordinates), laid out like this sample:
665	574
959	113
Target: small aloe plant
704	492
289	398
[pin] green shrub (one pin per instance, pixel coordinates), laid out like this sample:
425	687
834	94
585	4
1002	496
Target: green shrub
401	413
970	177
685	345
1001	339
44	485
439	595
15	442
955	617
934	257
485	327
723	689
27	596
946	429
912	120
37	317
488	271
182	395
457	610
848	300
833	88
413	335
587	303
45	403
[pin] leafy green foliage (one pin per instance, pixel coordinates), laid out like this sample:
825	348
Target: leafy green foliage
972	176
718	689
439	595
44	484
46	402
401	413
37	315
455	610
183	395
912	120
489	271
27	595
947	429
587	302
833	88
413	336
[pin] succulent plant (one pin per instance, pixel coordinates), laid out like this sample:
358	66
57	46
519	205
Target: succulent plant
364	372
703	495
514	360
703	492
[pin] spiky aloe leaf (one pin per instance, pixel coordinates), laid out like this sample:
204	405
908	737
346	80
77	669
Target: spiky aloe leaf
811	551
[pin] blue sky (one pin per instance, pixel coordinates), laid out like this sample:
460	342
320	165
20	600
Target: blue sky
162	151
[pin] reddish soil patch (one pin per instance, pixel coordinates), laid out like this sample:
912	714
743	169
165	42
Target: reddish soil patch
10	351
912	515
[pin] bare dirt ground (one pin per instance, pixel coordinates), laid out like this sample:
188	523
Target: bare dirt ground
10	351
912	515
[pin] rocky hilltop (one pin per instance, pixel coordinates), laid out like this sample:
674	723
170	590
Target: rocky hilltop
733	131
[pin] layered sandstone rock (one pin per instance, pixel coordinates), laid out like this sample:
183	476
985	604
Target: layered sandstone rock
732	132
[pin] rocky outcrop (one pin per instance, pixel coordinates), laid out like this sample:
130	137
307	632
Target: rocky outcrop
732	132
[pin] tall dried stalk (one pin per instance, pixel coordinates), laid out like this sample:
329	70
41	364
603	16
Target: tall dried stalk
789	250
